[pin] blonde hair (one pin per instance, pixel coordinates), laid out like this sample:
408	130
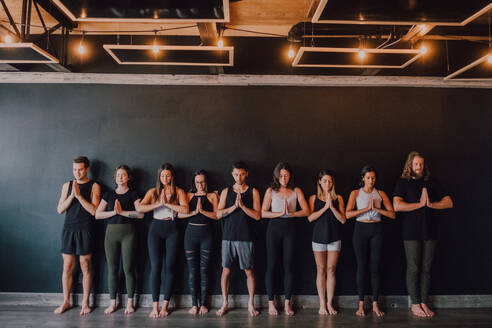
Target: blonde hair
320	192
407	169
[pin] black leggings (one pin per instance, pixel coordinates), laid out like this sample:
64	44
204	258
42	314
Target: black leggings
280	239
198	243
368	242
163	239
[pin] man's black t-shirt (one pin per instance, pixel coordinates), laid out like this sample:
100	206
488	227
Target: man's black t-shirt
418	224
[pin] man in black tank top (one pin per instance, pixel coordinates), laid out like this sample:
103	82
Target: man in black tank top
79	200
238	206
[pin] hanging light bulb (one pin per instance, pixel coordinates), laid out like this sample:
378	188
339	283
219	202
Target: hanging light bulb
7	39
83	14
220	43
291	53
489	59
81	48
362	54
155	47
423	50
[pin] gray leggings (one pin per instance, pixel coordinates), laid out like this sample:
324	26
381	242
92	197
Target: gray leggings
420	254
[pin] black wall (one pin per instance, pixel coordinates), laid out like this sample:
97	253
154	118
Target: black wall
42	127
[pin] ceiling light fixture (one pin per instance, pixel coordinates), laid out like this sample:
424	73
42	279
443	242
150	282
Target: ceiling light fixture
81	48
7	39
155	47
362	54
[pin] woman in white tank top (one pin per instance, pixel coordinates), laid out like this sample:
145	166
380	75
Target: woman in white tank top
166	200
280	207
365	205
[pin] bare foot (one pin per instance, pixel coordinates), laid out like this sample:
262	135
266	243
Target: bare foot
288	309
85	309
426	309
62	308
164	311
193	310
252	311
223	310
203	310
129	307
111	308
375	309
155	313
322	310
272	310
360	311
332	310
418	311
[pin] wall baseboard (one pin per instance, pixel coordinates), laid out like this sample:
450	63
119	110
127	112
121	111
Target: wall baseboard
241	301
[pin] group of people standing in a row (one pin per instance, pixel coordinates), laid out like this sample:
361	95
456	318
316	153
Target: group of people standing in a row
416	196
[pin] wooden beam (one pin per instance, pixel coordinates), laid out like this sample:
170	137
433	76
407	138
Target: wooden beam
242	80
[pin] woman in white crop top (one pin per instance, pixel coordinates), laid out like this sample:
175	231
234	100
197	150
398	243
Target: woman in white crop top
280	206
365	205
166	200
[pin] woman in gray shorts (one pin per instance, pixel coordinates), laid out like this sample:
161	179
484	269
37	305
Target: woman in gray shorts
328	214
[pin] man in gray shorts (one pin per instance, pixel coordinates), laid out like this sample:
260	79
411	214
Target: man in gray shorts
238	206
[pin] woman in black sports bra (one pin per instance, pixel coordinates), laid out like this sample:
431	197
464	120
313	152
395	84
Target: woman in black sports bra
199	239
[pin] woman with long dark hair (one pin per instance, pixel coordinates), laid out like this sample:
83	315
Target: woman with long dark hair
328	214
280	206
199	239
118	208
365	204
166	200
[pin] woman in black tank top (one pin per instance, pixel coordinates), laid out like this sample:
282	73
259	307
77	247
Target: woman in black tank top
328	214
199	239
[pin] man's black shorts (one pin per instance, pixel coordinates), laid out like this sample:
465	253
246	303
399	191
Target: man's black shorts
79	242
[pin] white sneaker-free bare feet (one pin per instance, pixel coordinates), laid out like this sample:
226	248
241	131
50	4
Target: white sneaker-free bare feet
288	309
111	308
129	307
62	308
360	311
322	310
418	311
155	311
223	310
252	311
331	310
203	310
426	309
193	310
164	310
376	310
272	310
85	309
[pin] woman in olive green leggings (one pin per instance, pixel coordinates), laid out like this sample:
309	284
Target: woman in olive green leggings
118	207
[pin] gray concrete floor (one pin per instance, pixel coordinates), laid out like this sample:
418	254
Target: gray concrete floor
29	316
